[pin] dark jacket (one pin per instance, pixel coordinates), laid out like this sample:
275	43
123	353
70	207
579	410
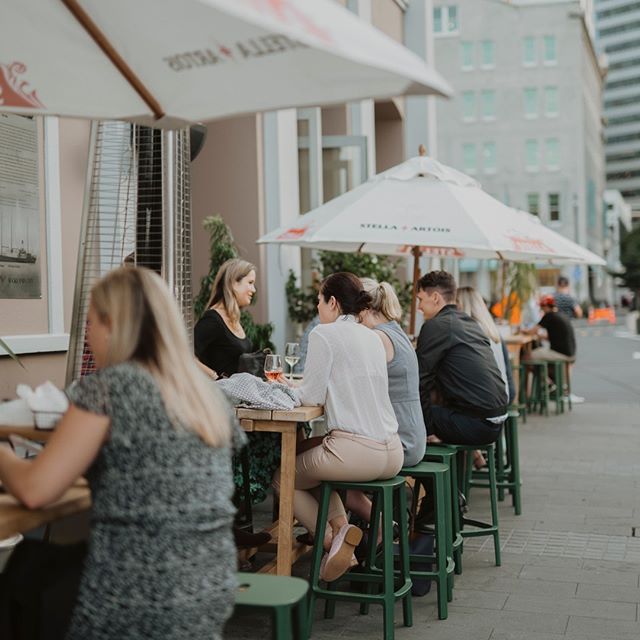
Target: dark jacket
454	357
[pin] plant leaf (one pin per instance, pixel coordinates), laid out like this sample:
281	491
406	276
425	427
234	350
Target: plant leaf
12	355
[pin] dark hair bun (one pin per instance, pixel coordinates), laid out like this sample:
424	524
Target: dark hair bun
347	289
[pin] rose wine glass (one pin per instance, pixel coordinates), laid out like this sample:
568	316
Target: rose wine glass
292	356
272	366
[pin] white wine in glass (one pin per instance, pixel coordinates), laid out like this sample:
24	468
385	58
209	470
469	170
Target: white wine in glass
292	356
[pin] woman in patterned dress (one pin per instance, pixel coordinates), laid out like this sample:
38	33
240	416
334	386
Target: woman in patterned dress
153	436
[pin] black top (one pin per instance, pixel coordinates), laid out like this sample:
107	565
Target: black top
216	345
455	357
561	336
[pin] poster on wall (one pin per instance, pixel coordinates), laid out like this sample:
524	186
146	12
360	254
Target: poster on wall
19	208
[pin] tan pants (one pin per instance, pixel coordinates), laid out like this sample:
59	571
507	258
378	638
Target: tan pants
546	353
341	456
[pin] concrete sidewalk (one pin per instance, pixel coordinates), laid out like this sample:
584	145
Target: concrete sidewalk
570	563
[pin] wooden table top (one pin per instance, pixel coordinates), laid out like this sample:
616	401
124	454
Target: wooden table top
16	518
299	414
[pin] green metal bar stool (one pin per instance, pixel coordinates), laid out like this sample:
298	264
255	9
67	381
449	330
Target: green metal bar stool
440	483
539	397
444	454
384	493
507	464
285	597
465	469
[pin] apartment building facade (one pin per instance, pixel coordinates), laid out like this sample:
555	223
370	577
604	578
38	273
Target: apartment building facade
526	120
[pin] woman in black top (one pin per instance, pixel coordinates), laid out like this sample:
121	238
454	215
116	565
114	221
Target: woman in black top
219	339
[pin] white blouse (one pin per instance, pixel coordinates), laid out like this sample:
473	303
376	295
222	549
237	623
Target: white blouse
346	371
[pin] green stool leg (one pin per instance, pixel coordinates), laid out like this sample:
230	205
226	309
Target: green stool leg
448	538
514	463
387	564
455	510
494	507
441	551
500	455
282	623
405	564
370	560
300	619
314	577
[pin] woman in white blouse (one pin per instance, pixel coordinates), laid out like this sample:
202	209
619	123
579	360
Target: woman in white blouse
346	371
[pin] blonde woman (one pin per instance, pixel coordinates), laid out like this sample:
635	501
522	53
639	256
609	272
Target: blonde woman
219	339
471	302
153	437
384	316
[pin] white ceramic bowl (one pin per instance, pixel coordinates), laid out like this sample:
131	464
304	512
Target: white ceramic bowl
6	549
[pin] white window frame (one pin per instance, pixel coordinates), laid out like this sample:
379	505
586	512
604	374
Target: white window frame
558	222
545	62
547	113
470	170
530	168
534	115
444	21
494	169
473	117
556	165
483	93
463	66
526	63
56	340
528	207
483	64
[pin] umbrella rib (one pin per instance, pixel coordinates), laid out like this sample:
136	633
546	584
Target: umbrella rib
102	41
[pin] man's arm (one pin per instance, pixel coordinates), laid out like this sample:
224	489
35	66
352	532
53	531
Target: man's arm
433	343
577	310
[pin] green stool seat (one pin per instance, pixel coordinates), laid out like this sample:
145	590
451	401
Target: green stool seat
285	597
507	464
444	454
480	528
385	494
443	574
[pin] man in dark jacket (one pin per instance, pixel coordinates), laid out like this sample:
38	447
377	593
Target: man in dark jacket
457	364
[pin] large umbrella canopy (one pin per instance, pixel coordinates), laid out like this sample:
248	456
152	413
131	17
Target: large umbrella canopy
422	206
169	62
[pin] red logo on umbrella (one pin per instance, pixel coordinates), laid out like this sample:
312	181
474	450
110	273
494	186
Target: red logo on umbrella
14	90
529	244
293	234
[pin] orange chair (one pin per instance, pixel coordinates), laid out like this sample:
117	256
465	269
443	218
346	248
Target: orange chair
608	314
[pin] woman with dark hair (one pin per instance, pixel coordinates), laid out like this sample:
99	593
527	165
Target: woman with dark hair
346	371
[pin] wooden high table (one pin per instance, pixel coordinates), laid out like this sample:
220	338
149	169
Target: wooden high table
286	424
518	345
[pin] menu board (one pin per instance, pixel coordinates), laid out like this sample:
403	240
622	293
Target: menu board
19	208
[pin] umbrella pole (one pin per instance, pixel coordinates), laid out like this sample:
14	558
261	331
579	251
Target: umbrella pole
416	276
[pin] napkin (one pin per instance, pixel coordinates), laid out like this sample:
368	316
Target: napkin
47	402
16	413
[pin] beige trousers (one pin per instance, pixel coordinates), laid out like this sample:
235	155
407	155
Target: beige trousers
341	456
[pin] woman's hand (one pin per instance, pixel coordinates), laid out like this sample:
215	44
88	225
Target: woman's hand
210	372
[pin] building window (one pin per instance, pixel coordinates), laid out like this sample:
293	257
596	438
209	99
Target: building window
530	102
489	105
554	207
552	153
550	56
466	53
529	51
469	157
531	155
489	160
551	102
488	54
445	19
468	106
533	203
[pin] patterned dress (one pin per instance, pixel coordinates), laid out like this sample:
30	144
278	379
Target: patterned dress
161	560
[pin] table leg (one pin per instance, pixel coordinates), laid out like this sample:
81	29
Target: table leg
285	520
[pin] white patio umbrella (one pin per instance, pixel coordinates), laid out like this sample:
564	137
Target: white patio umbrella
424	207
170	62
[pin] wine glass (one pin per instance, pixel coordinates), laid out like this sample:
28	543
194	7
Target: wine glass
292	356
272	366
